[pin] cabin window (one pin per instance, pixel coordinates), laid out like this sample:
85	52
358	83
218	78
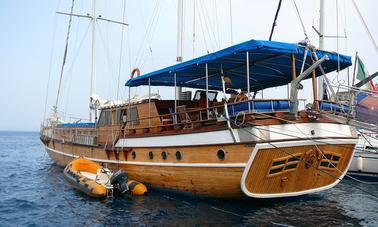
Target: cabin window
178	155
284	164
221	155
105	118
164	155
212	95
133	155
151	155
133	113
121	117
108	115
101	119
329	161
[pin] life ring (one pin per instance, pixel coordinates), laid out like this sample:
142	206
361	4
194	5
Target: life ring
137	71
240	97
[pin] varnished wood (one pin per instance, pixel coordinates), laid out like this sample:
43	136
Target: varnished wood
204	179
218	182
302	178
238	153
293	67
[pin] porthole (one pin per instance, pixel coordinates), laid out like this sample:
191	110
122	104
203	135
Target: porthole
221	155
164	155
151	155
178	155
133	155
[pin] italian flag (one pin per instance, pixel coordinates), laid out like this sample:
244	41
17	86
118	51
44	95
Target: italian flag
362	73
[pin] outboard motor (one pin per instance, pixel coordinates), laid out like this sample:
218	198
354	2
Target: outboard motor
119	181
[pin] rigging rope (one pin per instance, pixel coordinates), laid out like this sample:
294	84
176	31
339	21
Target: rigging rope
202	29
204	17
71	67
194	27
231	23
217	23
275	20
301	21
65	55
121	49
110	64
365	26
150	38
147	33
50	62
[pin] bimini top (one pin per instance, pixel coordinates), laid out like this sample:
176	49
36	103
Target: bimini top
270	66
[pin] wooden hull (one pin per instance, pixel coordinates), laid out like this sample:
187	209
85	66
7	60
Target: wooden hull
259	170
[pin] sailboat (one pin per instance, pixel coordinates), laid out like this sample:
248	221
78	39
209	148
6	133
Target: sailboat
237	147
358	106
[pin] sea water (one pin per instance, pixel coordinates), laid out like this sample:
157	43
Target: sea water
33	192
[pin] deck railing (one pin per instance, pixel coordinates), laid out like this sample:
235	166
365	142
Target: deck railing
184	118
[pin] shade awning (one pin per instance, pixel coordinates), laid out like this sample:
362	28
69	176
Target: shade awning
270	66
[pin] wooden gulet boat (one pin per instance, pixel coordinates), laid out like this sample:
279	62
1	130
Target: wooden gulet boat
240	148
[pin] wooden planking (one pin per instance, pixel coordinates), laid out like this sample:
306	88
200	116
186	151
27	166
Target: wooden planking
214	182
299	180
236	153
218	182
199	154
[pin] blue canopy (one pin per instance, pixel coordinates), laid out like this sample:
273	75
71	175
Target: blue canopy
270	66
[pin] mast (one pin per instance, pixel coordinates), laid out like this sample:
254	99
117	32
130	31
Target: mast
93	98
180	31
321	47
92	107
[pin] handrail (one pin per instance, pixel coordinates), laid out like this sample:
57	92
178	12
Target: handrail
188	117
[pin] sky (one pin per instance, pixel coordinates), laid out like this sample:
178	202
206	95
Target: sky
33	38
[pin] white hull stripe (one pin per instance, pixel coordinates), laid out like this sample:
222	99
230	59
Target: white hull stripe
203	138
168	164
289	144
299	131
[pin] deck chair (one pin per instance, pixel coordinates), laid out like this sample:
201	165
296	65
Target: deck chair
184	117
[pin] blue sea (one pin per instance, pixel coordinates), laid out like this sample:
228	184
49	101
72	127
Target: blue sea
33	192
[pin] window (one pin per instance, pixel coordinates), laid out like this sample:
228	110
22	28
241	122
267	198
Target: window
151	155
108	115
284	164
221	155
164	155
133	116
212	95
178	155
329	161
119	117
101	119
133	155
105	118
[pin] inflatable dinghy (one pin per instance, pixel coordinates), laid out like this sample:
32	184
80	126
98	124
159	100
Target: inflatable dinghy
96	181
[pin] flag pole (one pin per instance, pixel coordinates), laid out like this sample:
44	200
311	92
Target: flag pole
354	69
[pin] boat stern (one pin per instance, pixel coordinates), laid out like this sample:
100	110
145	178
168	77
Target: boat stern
293	168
